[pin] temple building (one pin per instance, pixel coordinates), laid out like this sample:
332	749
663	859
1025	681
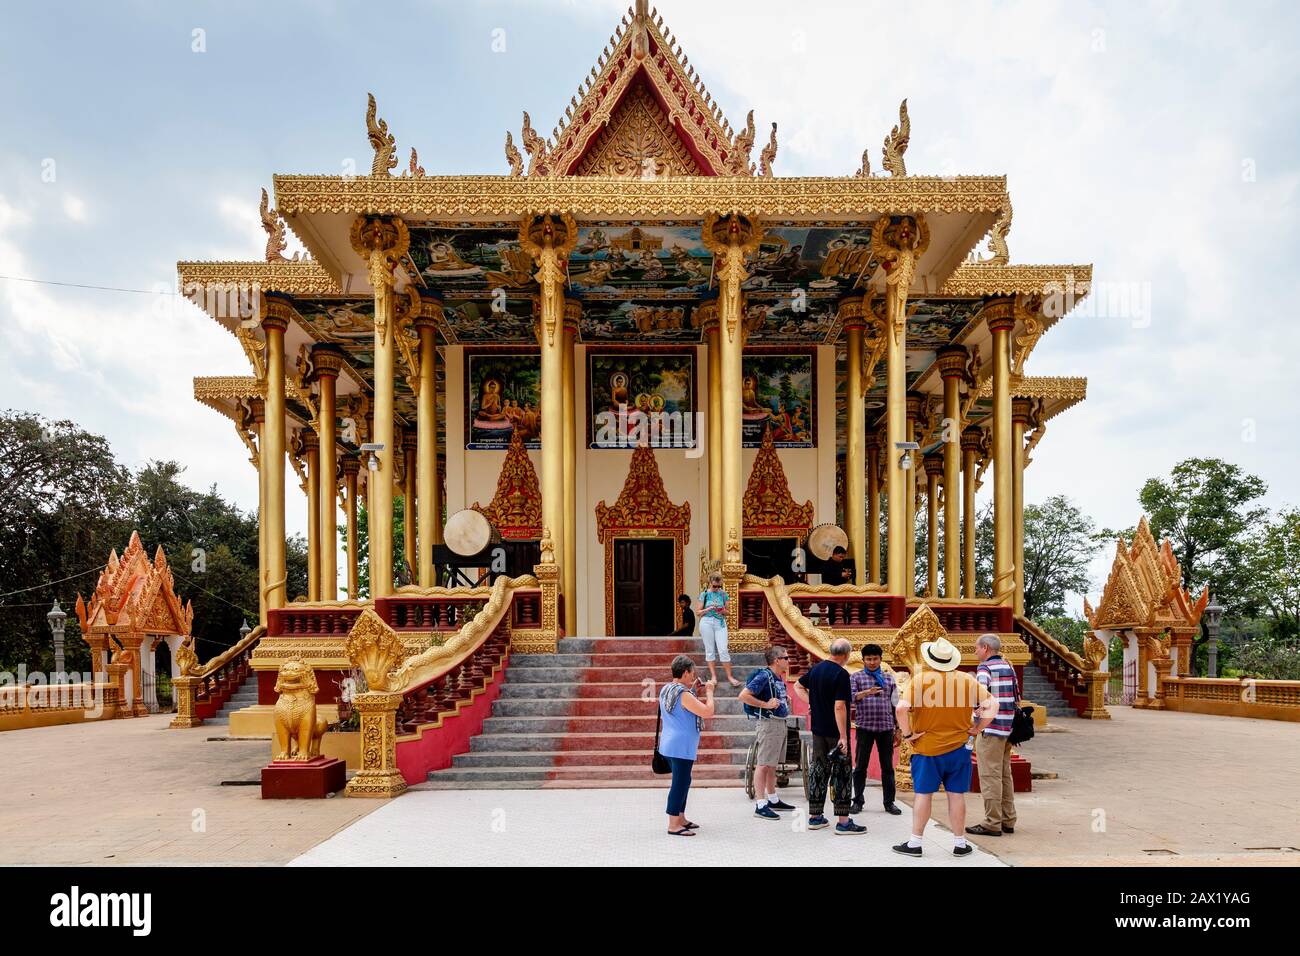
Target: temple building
640	353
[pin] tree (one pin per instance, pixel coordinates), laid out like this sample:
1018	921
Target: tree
66	502
1205	509
363	542
1274	567
1060	541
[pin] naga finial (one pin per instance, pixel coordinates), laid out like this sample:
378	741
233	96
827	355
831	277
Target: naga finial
274	226
415	169
738	163
768	156
515	160
381	141
896	143
864	171
535	147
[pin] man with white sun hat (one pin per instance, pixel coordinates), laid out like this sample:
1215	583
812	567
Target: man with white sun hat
934	716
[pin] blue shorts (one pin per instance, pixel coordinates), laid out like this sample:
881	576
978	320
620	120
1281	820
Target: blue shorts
951	769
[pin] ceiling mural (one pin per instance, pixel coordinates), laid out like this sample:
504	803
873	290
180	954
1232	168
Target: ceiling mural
815	259
485	320
482	260
643	261
652	320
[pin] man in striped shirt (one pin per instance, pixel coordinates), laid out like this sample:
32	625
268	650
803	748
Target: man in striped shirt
993	747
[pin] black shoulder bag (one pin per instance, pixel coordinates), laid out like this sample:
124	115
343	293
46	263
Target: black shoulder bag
1022	718
659	763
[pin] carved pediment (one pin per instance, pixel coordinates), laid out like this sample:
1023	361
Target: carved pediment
769	508
639	142
1144	590
643	503
135	595
516	508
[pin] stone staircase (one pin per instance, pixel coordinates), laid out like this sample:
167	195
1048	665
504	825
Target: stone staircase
244	696
1041	691
585	717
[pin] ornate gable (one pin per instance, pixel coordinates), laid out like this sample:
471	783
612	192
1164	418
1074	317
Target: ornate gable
135	595
643	503
1145	591
516	508
610	118
769	508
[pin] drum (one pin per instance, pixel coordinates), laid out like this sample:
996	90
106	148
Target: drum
824	538
467	532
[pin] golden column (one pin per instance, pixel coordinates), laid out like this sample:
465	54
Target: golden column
382	241
708	318
933	474
429	491
310	446
351	467
952	367
326	362
1022	416
548	240
410	447
873	505
257	415
915	404
897	244
1000	314
855	464
730	239
972	444
569	569
275	320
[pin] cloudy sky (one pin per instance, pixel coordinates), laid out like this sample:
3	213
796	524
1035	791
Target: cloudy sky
1157	141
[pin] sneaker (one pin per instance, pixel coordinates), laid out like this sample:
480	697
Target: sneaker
856	807
779	805
963	850
849	829
1007	829
766	813
818	822
892	808
906	850
981	830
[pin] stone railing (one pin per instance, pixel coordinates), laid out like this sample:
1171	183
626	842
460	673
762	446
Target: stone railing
1241	697
43	705
203	690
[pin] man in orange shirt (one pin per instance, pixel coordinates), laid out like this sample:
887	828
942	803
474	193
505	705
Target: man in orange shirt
934	716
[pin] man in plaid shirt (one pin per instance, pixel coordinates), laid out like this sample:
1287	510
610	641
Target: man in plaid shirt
993	747
875	695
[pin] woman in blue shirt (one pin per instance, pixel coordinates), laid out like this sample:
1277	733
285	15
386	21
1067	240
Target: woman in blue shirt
683	716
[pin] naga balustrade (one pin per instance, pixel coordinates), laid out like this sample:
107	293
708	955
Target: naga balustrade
216	685
446	693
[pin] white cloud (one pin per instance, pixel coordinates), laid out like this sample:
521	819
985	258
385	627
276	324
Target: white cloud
74	208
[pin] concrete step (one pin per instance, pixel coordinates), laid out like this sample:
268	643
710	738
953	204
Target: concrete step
649	660
578	758
561	741
729	772
577	726
594	707
598	673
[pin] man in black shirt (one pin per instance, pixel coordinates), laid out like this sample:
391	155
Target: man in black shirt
688	617
826	689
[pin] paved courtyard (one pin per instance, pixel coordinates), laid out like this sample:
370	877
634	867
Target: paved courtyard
1141	789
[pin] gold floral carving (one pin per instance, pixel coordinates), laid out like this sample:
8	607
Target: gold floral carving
639	141
295	277
768	507
981	279
899	246
499	197
516	508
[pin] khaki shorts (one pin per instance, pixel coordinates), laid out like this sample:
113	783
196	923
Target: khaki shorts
771	738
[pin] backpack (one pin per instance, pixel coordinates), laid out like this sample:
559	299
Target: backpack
750	710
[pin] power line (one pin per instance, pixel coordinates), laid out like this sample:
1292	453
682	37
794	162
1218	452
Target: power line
37	587
80	285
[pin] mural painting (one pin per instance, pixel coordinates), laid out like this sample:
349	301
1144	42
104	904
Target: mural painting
502	396
641	396
776	392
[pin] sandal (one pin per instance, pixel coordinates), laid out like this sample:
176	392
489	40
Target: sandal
684	831
691	826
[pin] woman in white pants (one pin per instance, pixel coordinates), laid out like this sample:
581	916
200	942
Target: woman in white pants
713	628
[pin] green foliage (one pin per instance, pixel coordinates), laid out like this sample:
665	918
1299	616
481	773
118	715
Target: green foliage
1267	658
400	573
1060	541
1070	631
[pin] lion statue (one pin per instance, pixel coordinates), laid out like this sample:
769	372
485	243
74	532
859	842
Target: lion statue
298	731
